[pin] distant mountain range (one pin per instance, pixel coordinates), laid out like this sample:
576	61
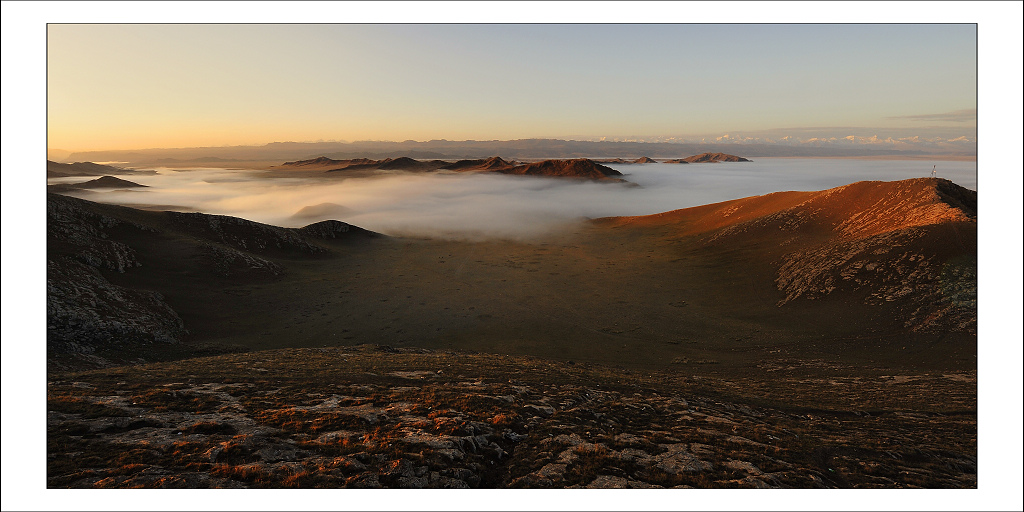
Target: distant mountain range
521	149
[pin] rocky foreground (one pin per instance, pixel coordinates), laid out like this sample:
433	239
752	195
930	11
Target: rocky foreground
380	417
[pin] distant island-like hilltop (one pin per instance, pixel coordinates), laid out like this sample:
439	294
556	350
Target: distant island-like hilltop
575	168
707	158
101	182
584	168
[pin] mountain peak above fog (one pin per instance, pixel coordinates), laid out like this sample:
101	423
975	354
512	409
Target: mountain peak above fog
708	158
559	168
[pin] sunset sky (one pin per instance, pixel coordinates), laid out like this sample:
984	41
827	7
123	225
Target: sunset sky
136	86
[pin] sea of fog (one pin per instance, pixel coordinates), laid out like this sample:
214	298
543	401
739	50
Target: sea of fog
472	206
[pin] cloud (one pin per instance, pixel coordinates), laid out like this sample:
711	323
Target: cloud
956	116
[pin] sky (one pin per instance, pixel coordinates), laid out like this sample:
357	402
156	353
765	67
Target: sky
133	86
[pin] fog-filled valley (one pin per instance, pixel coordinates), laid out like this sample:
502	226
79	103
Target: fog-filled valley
474	206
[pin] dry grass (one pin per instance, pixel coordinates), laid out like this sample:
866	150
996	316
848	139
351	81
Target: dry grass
312	424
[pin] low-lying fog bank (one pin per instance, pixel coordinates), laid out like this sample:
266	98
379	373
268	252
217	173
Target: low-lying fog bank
471	206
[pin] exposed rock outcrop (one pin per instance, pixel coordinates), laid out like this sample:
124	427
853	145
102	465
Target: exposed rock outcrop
380	417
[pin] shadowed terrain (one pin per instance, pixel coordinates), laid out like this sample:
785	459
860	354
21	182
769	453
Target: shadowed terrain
770	305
